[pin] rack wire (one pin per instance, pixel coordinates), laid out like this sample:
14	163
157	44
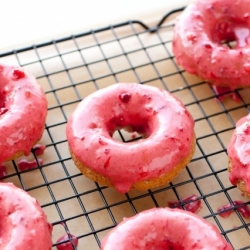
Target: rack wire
71	68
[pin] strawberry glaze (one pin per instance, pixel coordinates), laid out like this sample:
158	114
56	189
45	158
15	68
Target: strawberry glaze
164	228
224	92
225	210
241	207
239	153
191	203
67	242
3	171
39	149
23	223
24	164
23	109
199	32
165	123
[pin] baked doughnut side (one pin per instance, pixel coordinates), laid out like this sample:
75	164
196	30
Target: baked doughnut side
140	185
240	183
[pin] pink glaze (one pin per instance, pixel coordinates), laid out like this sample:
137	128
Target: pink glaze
3	171
225	92
39	149
23	223
199	32
67	242
23	109
24	164
225	210
239	152
193	203
242	209
158	115
164	228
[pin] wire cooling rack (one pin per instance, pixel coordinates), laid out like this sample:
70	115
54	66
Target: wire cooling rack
71	68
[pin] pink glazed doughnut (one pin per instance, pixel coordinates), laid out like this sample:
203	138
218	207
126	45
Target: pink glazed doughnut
164	228
23	110
239	157
198	36
24	225
164	122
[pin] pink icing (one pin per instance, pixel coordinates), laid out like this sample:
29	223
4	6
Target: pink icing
3	171
158	115
199	32
23	110
23	223
39	149
67	242
164	228
225	211
239	152
242	209
193	203
24	164
223	92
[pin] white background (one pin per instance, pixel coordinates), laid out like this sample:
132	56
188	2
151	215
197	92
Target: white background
26	22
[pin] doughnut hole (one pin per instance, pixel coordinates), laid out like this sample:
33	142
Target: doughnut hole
137	128
136	122
126	135
232	33
162	244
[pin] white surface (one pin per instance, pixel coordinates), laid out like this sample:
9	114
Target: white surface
27	22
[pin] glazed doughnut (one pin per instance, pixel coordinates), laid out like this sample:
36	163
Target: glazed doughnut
164	228
198	36
164	122
23	110
23	223
239	157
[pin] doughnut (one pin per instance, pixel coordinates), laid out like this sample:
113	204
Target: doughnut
164	228
199	39
23	110
239	157
23	223
166	126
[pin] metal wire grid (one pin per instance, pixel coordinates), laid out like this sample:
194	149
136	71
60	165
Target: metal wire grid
71	68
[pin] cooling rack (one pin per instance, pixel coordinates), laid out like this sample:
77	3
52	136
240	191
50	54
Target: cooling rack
71	68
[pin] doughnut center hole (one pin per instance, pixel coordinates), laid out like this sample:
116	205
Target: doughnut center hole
231	33
230	45
165	243
127	134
